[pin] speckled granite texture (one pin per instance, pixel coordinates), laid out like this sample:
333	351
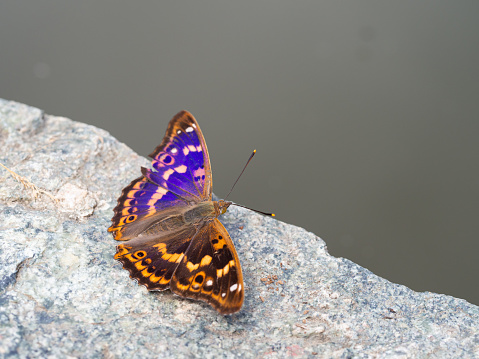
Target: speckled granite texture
63	295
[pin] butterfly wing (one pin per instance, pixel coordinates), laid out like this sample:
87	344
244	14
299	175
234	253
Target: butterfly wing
210	270
181	175
182	159
153	263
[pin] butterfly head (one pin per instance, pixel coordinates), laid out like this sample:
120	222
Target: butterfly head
221	206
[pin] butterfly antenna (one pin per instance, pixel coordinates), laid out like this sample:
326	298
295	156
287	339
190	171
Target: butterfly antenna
234	184
254	210
247	163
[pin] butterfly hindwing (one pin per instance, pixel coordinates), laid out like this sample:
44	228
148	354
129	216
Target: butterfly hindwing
152	264
210	270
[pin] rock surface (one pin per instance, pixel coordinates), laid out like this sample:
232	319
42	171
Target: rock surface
63	295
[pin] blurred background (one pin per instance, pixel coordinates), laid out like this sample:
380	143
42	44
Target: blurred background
365	114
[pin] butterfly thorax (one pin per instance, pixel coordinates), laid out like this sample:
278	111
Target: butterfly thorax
195	214
205	211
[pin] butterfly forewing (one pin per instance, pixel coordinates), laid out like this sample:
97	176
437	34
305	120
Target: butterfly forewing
210	270
183	156
137	207
182	175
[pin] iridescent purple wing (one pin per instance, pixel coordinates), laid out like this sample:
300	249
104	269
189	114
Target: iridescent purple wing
181	175
141	199
181	160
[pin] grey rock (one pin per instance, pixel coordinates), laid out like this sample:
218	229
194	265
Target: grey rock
63	295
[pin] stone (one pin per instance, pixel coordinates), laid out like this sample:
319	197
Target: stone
63	295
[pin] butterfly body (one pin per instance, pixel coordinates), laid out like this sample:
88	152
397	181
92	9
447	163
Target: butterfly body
170	228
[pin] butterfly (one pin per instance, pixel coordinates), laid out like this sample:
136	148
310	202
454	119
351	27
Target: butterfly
169	224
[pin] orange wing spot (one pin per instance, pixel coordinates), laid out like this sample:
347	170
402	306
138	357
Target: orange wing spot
147	260
111	229
184	287
121	251
206	260
126	211
153	278
191	267
139	184
131	193
140	266
128	203
145	273
161	247
131	218
164	280
166	256
177	257
117	235
173	258
127	219
226	269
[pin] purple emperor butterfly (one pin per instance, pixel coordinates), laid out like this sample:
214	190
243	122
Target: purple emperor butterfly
168	220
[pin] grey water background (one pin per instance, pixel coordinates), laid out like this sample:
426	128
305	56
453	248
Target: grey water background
365	114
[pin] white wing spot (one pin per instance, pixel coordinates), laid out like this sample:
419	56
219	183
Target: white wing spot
210	282
181	169
223	295
174	150
167	174
189	129
239	287
178	132
193	125
233	287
